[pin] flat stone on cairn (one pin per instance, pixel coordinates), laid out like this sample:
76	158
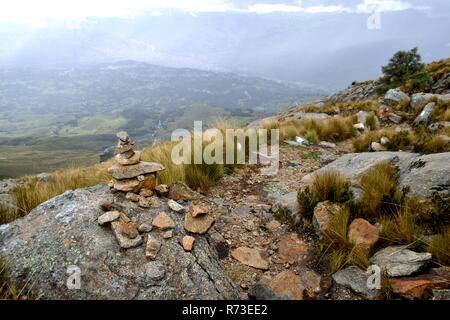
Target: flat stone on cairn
130	174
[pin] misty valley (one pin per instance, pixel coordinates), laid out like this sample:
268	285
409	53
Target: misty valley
55	117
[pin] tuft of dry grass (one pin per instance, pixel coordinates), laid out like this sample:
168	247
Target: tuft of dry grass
162	153
380	193
8	214
7	291
439	247
331	185
401	228
33	192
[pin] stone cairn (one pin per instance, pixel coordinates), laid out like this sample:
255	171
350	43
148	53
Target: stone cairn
131	175
138	180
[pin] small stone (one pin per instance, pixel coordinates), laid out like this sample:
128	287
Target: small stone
128	172
168	234
132	197
124	217
394	118
398	261
359	126
415	287
149	202
143	228
162	190
293	163
163	221
287	285
106	206
152	248
323	213
291	248
250	257
441	294
356	279
384	141
180	191
188	243
127	229
124	161
199	224
326	144
127	185
273	225
108	217
198	210
123	136
362	233
175	206
377	147
146	193
124	241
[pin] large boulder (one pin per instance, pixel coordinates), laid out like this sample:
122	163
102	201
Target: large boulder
424	175
395	96
63	232
418	99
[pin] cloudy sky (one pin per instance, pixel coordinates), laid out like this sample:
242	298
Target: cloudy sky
289	40
35	11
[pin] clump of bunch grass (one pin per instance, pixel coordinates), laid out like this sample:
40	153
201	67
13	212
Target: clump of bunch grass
380	192
32	192
327	185
439	247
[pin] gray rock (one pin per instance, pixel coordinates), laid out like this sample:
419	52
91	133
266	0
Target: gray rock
310	116
375	146
423	117
418	99
355	279
441	294
326	144
424	175
394	96
44	177
362	116
394	118
438	125
63	231
293	163
123	135
175	206
108	217
144	228
442	85
288	204
398	261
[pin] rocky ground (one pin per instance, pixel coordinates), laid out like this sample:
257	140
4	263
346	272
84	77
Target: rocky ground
139	240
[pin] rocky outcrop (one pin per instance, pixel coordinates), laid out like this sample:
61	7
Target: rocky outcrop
424	175
64	232
423	117
357	91
394	97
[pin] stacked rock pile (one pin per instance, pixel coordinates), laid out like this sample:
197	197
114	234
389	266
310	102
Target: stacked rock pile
131	175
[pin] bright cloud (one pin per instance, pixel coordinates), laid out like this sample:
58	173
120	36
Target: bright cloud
368	6
38	12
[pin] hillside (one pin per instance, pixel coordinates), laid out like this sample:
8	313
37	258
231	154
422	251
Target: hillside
363	182
54	117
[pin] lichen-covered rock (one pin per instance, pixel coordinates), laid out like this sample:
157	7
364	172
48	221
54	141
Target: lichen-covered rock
424	116
398	261
395	96
424	175
64	231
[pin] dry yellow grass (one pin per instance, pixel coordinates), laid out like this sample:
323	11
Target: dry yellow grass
439	247
331	185
380	193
